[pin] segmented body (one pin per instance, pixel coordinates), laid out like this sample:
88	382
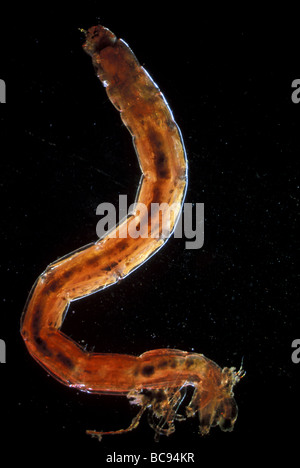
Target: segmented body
156	378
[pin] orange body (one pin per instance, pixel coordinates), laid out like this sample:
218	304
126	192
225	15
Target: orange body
156	378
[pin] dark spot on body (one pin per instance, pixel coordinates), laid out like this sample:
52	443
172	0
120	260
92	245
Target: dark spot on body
123	245
163	174
162	167
68	273
35	328
167	363
36	322
92	261
42	346
54	285
160	159
65	360
189	362
162	364
110	267
148	370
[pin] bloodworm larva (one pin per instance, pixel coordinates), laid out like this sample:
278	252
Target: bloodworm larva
157	379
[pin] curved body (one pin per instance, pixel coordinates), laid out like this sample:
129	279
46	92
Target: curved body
156	378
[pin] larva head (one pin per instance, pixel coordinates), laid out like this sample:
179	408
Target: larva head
97	38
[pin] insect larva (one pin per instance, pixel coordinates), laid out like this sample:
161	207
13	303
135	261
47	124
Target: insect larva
156	379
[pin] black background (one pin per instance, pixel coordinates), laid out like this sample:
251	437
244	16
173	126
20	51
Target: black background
227	78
